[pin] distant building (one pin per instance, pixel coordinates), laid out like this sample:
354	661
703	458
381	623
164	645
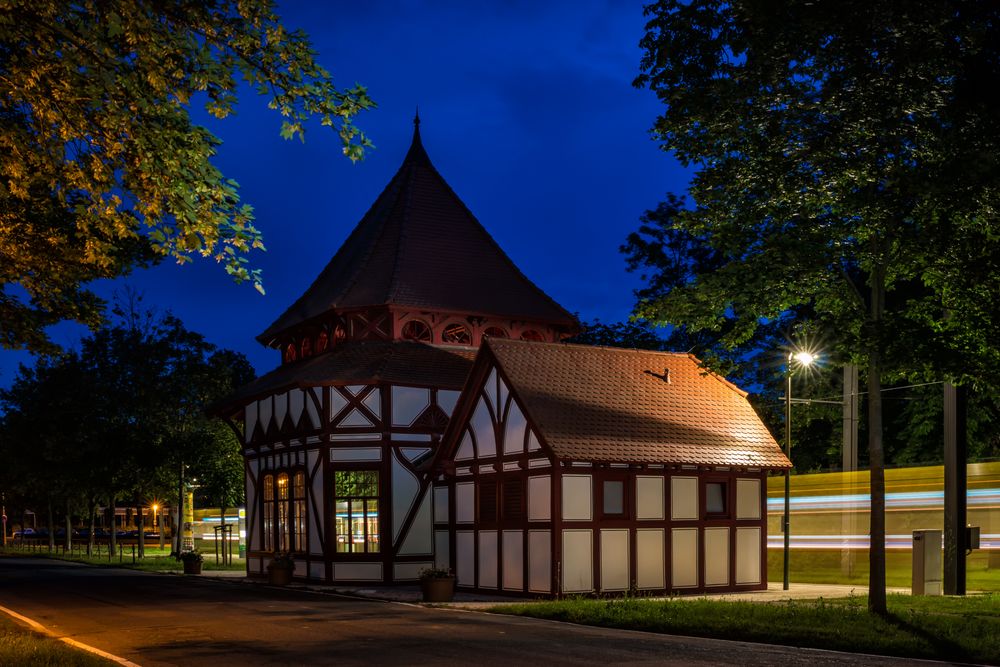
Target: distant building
425	413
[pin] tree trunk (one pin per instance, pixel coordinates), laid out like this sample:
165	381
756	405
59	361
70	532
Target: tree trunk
68	544
140	519
113	530
52	528
876	454
92	511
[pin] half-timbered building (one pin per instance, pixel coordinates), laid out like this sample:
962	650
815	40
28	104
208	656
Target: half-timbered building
425	413
579	469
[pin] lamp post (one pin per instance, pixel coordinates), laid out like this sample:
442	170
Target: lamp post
804	359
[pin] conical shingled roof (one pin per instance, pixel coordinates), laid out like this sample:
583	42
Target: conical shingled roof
419	246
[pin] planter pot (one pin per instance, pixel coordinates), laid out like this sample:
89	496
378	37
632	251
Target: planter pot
192	567
441	589
279	576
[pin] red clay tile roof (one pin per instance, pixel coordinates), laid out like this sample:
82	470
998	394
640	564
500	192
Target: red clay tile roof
418	245
612	404
364	362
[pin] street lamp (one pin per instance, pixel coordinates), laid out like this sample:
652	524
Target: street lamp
804	359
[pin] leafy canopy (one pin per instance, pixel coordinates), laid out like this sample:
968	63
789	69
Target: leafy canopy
101	167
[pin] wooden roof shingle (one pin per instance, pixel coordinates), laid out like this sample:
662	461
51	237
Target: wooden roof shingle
621	405
418	245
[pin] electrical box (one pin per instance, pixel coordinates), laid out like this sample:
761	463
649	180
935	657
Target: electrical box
927	562
972	537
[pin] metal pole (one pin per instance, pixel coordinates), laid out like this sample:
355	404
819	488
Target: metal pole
788	453
955	483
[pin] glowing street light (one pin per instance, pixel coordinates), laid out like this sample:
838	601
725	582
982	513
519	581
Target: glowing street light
804	359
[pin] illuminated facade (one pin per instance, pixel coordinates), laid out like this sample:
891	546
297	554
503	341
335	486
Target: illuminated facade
367	454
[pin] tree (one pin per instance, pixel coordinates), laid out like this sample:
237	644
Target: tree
132	405
846	161
102	167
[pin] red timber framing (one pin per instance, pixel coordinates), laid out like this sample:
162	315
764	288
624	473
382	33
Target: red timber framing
383	428
662	530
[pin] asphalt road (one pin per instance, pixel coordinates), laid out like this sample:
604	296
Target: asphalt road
154	620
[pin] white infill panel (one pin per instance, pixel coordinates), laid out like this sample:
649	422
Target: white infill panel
482	427
264	409
533	442
356	454
513	439
577	500
249	421
442	550
539	561
487	559
317	571
649	570
355	419
337	402
357	571
373	401
683	498
513	560
465	450
748	555
405	486
465	557
419	539
578	565
296	402
413	453
441	504
649	498
315	543
447	400
408	403
614	559
490	389
748	499
465	503
409	571
684	557
280	409
540	498
716	556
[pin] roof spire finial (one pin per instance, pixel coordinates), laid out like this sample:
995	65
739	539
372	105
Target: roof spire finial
416	118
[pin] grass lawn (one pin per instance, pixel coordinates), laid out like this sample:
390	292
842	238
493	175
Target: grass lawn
825	567
20	646
944	628
156	560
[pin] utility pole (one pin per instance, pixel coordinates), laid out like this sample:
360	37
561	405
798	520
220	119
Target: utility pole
848	521
955	485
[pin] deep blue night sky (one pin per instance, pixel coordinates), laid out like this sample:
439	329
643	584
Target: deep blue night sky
527	111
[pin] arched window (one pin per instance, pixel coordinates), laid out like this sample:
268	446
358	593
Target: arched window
456	333
416	330
284	541
339	333
495	332
268	512
290	352
307	347
285	510
322	341
299	511
531	334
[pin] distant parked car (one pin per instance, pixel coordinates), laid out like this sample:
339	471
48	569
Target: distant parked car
27	532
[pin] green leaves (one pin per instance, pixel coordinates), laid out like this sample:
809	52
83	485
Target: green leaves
93	105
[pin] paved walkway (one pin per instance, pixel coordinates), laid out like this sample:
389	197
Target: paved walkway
411	593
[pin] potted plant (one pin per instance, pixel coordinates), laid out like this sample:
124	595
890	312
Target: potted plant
192	561
279	570
437	584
